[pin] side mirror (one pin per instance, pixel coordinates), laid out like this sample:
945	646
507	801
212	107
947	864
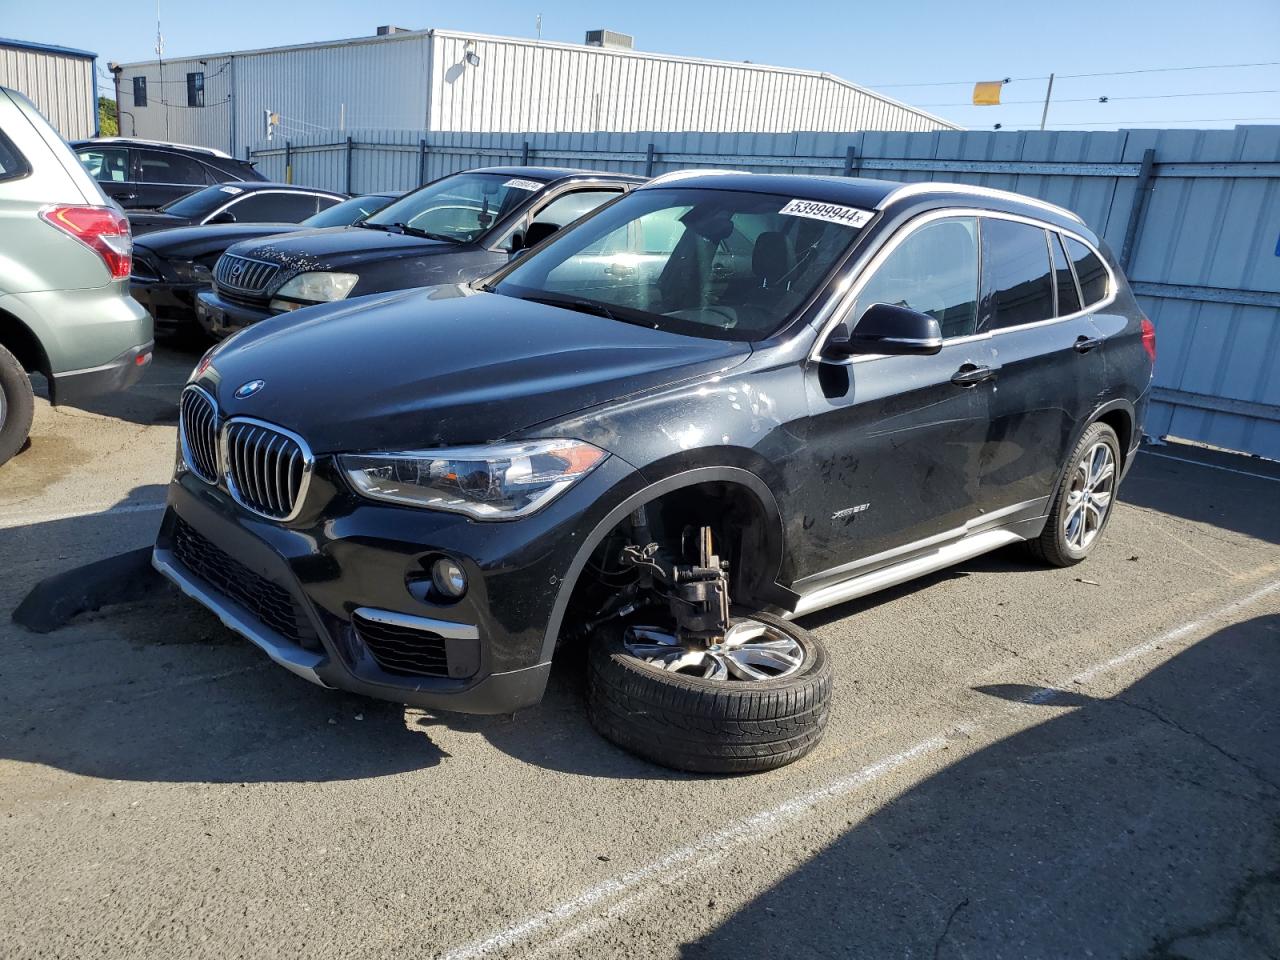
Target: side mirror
226	216
886	329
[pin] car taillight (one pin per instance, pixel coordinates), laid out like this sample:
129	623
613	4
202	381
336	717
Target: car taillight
103	230
1149	338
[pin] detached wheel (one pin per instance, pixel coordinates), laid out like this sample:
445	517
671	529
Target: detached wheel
757	701
17	405
1082	506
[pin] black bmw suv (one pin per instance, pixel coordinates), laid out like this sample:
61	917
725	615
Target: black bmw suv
454	229
718	403
145	174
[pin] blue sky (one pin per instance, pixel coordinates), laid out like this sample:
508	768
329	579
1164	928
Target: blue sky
881	45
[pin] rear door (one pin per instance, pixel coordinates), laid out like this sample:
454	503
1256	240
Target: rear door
1050	368
893	442
112	167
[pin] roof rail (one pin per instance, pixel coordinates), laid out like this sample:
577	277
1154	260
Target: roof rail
943	186
211	151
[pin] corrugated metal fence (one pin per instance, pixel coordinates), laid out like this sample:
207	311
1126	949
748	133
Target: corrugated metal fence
1195	215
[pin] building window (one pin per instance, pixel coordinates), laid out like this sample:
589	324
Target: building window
195	89
139	91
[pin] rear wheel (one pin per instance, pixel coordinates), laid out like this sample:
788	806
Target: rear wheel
1082	505
755	700
17	405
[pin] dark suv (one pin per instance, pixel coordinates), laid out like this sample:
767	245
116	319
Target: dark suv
721	402
458	228
148	173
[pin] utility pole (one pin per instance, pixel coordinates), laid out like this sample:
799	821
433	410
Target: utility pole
1047	94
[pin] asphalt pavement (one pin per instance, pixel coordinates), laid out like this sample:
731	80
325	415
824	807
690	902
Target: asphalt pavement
1021	762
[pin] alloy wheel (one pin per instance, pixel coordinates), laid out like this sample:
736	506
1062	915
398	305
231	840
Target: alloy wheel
1089	496
749	651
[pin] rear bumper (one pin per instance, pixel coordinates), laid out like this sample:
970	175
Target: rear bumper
221	318
124	371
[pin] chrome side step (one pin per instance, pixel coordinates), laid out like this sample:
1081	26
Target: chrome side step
944	556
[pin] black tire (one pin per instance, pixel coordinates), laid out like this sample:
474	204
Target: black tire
709	726
17	405
1052	546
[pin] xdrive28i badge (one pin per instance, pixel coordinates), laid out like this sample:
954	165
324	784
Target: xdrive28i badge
246	390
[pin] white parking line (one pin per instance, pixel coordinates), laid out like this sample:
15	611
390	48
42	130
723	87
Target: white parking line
22	519
637	884
1211	466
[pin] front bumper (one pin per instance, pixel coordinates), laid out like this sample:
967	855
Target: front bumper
172	305
358	561
124	371
221	318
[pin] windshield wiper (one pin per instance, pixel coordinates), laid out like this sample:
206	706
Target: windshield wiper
571	303
425	234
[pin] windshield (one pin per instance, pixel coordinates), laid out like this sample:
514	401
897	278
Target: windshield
347	212
198	205
460	208
713	263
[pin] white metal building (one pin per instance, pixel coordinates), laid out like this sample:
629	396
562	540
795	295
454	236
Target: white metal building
444	81
60	81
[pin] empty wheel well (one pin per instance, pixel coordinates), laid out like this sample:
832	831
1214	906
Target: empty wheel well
1119	421
17	338
741	531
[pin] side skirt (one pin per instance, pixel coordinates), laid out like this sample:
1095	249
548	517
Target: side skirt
918	563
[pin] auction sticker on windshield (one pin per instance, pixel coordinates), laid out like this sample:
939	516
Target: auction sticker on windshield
518	184
830	212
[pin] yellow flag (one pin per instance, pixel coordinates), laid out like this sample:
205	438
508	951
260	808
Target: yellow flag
987	93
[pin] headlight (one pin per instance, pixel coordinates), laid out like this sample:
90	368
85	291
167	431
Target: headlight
189	271
488	483
313	288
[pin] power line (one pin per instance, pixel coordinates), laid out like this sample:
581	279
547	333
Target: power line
1077	76
1153	96
1107	123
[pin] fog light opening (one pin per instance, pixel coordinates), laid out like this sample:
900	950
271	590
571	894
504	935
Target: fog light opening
448	579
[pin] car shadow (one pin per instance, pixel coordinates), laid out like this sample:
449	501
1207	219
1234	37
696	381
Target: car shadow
1145	824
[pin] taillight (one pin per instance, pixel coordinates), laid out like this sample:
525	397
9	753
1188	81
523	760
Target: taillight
1149	338
104	230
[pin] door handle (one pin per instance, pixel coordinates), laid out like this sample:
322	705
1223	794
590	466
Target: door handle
1084	344
971	374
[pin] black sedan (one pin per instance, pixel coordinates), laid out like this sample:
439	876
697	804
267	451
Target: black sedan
460	227
261	202
170	266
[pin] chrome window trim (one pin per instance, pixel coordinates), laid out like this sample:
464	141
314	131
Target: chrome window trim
246	194
846	300
308	466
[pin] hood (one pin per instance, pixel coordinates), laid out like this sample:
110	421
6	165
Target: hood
185	243
145	221
445	365
332	248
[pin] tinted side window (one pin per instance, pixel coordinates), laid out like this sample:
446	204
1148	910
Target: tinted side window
274	207
568	208
160	167
106	164
1068	295
934	271
1017	270
1090	271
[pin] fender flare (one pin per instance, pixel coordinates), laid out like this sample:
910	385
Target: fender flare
646	495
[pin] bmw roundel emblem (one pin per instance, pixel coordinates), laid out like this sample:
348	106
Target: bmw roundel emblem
247	390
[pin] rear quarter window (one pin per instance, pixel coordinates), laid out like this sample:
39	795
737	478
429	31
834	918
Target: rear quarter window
12	163
1090	271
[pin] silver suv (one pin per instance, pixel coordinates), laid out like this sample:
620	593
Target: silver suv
65	253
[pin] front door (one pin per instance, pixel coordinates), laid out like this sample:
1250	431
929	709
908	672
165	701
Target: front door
894	442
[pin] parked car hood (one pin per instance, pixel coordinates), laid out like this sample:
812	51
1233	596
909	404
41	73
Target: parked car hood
183	243
145	221
445	365
333	248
